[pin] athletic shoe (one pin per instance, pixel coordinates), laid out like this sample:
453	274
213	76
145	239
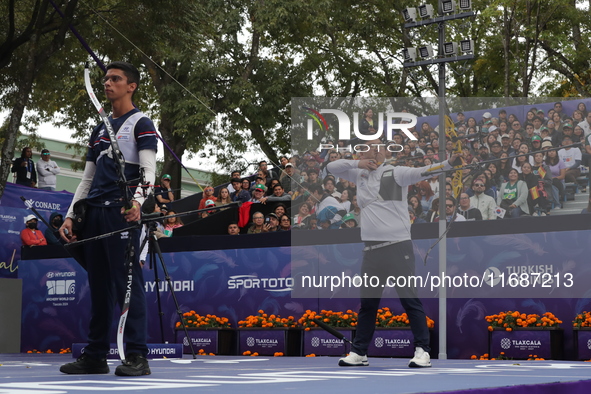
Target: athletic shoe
86	365
354	360
134	365
421	359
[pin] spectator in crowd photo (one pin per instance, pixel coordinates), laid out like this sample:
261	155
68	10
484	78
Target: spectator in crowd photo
536	192
571	157
264	171
30	235
433	214
284	223
258	221
557	173
506	145
233	229
466	210
578	134
329	187
415	204
586	124
451	213
223	197
279	194
313	177
47	170
163	192
513	196
235	174
329	212
207	195
332	156
280	210
367	125
349	221
484	203
345	200
170	224
51	233
303	213
258	194
425	195
271	187
413	218
245	184
239	194
310	162
536	143
271	223
558	110
287	177
24	167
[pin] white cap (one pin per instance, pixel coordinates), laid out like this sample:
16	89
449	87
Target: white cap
30	217
492	128
487	115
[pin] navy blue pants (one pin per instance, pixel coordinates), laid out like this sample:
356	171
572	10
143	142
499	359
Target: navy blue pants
107	279
393	260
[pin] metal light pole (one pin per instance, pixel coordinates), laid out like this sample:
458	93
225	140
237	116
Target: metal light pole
441	61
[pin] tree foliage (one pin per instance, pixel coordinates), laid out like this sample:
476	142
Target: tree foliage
218	76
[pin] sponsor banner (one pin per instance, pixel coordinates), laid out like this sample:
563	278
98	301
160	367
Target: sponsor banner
322	343
583	341
12	214
521	344
211	341
265	342
391	343
155	350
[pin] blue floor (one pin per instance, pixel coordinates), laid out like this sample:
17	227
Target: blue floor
39	373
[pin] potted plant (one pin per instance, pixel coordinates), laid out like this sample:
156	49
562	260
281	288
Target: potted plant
582	335
208	333
519	335
268	335
393	337
321	343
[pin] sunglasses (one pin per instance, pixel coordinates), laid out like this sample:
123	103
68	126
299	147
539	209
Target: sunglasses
114	78
478	184
449	205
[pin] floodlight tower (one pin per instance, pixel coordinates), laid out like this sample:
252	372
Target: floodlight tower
447	52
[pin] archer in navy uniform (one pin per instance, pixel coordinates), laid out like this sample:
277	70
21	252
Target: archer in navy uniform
382	191
105	259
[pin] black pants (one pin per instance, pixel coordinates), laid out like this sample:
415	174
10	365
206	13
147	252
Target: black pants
394	260
107	279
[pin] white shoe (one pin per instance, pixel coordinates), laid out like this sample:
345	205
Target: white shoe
354	360
420	360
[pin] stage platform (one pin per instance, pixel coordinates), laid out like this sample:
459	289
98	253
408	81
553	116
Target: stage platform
39	374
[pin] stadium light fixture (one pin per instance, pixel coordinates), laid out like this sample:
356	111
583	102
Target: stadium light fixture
448	6
426	51
409	54
450	48
465	5
409	14
426	11
467	46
